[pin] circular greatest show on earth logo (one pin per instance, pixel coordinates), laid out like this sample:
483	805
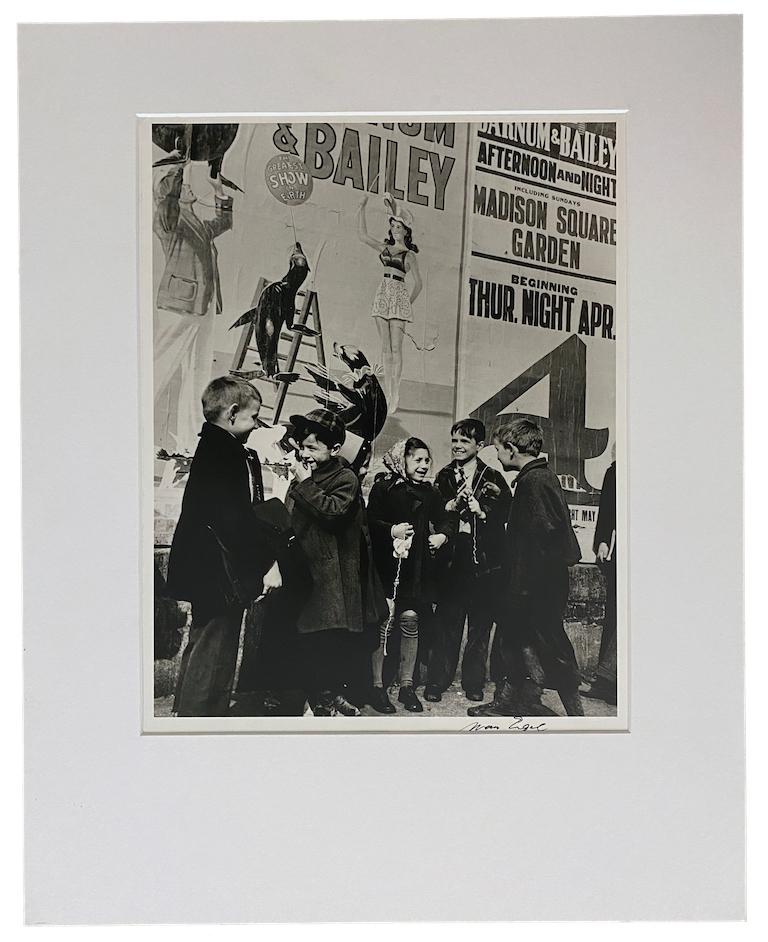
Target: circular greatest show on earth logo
288	179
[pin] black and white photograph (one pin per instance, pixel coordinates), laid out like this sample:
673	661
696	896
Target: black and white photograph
385	428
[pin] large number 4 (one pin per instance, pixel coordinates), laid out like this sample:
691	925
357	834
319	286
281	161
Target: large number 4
567	440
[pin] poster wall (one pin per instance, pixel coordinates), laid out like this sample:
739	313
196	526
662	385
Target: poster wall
348	169
538	323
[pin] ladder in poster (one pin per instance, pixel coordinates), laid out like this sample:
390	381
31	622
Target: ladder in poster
309	308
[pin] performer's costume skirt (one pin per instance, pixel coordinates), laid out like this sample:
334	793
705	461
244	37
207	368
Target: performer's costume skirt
392	301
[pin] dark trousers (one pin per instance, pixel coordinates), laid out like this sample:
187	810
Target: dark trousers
474	600
606	663
533	641
359	663
208	663
328	660
271	658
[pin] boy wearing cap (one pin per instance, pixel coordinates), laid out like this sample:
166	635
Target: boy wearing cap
326	514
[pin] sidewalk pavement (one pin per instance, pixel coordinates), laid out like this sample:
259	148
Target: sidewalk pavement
454	703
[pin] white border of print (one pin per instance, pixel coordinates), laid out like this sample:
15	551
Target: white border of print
366	724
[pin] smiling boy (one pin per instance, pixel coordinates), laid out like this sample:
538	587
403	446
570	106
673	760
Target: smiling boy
480	497
326	515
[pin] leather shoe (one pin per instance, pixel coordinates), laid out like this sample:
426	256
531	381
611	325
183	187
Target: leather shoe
476	695
511	700
433	693
599	690
485	709
380	701
324	705
344	707
410	701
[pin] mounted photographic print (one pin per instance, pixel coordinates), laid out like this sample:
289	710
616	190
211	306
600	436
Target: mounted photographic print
384	423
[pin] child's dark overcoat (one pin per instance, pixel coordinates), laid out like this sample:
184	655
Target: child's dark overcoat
223	486
541	544
326	514
490	532
394	500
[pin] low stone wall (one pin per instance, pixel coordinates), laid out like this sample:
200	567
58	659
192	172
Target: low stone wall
167	669
166	672
585	613
161	559
583	621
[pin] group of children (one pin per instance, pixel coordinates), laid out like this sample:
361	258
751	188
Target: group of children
390	585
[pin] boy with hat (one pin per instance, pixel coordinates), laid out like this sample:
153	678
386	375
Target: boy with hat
326	514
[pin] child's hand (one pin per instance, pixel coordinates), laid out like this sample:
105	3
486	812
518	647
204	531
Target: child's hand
474	506
301	472
401	531
272	580
436	541
490	489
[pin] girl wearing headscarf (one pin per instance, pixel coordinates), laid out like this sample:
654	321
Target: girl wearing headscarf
409	528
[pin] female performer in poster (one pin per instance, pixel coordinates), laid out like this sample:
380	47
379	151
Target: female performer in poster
392	302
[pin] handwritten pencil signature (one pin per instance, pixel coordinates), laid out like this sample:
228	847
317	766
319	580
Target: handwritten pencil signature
517	723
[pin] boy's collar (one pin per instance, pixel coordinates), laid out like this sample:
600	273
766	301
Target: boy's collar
480	464
210	428
324	470
536	463
207	426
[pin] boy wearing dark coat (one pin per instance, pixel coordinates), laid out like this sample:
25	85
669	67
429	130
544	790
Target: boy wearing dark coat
326	515
217	510
541	545
479	496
